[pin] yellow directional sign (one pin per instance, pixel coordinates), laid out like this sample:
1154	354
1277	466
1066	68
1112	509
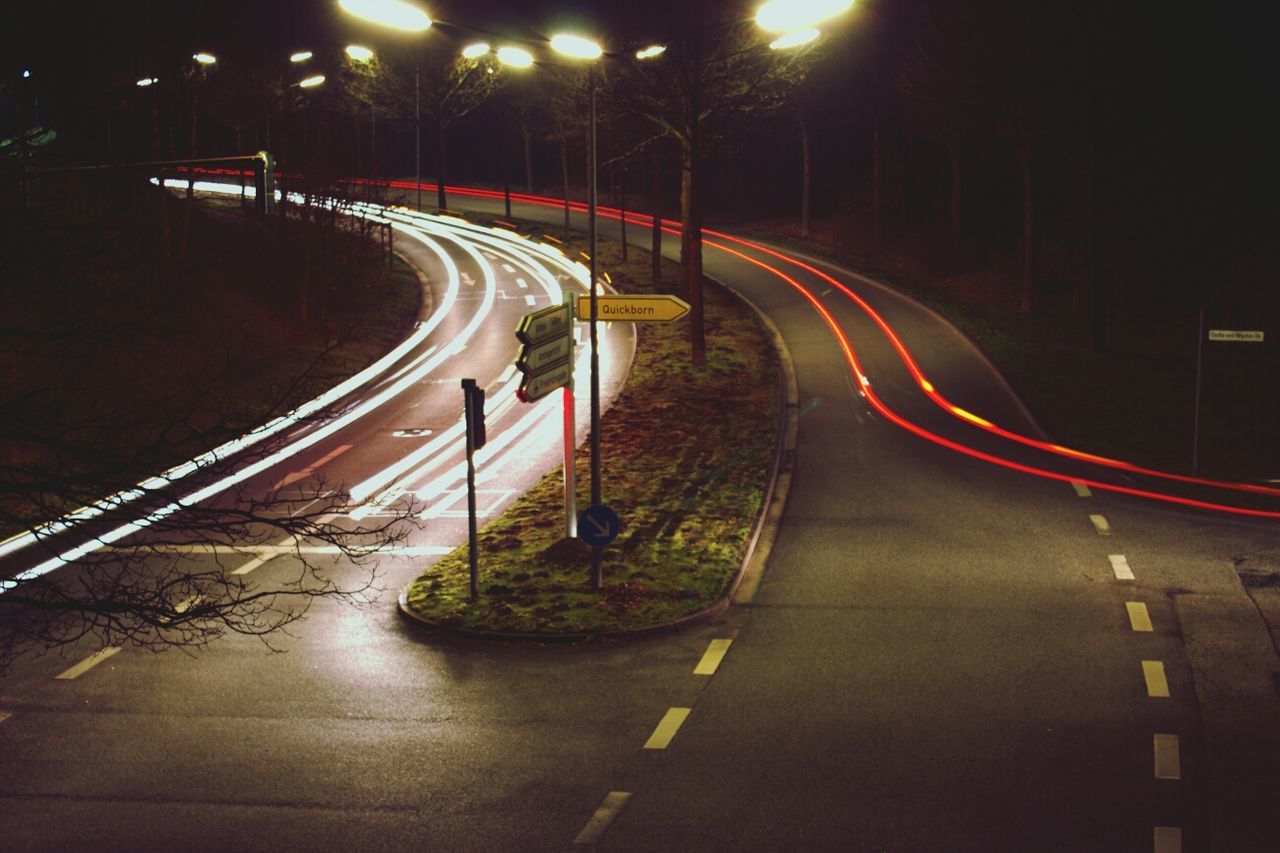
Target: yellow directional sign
633	308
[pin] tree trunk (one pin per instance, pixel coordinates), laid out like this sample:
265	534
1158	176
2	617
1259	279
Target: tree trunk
441	201
564	175
1028	236
877	186
655	205
691	254
806	175
620	196
526	134
957	201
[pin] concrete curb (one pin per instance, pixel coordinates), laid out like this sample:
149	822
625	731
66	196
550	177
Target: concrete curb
745	582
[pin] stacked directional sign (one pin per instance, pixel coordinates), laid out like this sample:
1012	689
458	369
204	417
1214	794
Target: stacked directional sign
547	357
633	307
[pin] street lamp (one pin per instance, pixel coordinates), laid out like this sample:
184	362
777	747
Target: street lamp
786	16
300	56
795	39
358	53
205	58
577	47
389	13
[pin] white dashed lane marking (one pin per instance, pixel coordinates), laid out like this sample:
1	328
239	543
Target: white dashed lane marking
88	663
1100	523
1120	565
1081	489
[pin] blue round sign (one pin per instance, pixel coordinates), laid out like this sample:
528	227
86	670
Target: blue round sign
598	526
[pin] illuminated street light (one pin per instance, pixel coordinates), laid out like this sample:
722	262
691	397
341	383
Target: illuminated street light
312	81
389	13
795	39
515	57
148	81
651	51
26	72
787	16
578	47
358	53
301	56
575	46
475	51
205	58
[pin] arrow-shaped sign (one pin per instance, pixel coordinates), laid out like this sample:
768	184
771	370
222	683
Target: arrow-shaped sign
634	308
543	356
545	324
539	385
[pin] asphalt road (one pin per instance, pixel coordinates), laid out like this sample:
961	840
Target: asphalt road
943	654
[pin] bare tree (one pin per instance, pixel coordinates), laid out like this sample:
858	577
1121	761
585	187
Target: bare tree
716	76
109	374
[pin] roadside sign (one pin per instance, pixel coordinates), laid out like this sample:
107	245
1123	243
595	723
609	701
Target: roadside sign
545	324
634	308
538	357
598	526
1235	336
538	385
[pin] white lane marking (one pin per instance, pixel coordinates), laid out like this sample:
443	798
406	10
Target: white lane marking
1100	522
252	564
88	663
1139	618
667	728
1168	839
508	268
1120	565
529	300
1157	682
268	551
1168	763
187	603
507	374
712	658
522	282
1081	489
603	817
290	479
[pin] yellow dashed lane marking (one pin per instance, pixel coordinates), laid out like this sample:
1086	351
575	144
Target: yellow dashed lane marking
88	663
603	817
1168	839
667	728
1168	761
1139	618
711	660
1157	683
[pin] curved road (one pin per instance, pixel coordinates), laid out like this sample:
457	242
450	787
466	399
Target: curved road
944	654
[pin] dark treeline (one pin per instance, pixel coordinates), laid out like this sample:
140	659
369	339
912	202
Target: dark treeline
1089	162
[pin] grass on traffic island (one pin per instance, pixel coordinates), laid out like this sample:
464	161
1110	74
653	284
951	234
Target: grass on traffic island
685	459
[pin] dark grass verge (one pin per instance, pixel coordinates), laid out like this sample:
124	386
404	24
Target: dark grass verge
686	456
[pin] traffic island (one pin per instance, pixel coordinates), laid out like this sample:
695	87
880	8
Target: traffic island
688	458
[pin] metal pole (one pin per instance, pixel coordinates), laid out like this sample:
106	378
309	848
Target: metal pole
417	139
1195	432
597	572
468	385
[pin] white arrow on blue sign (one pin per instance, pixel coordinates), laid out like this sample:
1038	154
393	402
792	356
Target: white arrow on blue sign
598	526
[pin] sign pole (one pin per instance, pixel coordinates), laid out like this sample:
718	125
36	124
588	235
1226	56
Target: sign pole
570	445
597	555
1195	431
468	393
